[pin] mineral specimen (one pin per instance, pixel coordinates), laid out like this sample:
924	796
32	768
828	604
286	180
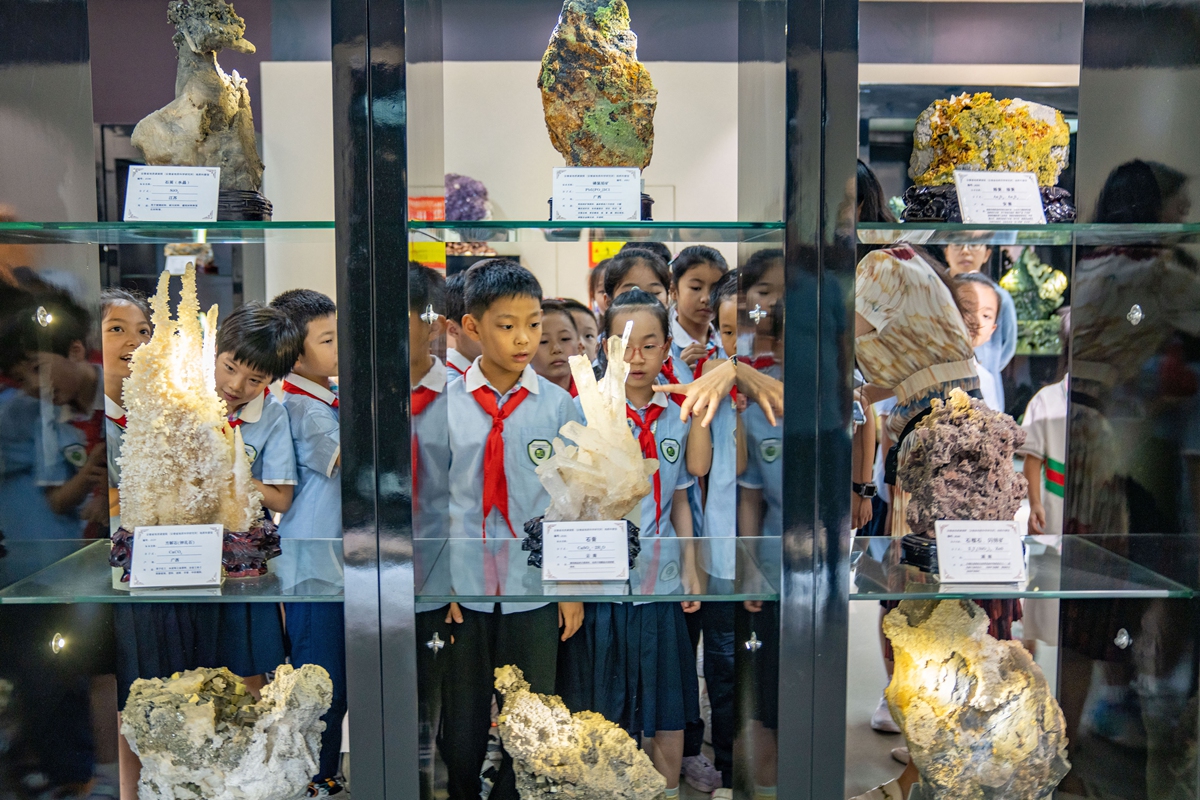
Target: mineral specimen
598	98
602	476
466	198
957	463
201	736
557	754
181	463
1037	291
981	133
209	123
977	714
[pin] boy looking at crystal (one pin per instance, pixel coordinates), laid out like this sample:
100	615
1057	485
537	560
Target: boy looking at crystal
505	420
257	345
316	631
461	350
979	300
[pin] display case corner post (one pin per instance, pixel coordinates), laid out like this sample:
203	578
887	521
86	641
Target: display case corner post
821	151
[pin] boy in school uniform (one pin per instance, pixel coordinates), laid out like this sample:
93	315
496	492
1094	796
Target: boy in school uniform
461	350
256	345
316	631
505	420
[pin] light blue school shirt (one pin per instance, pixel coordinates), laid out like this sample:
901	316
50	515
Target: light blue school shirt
267	437
660	563
431	475
114	435
316	511
25	514
680	339
764	470
997	352
528	441
719	557
59	446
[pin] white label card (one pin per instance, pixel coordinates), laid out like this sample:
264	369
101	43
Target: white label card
167	556
999	198
585	551
597	193
971	551
172	194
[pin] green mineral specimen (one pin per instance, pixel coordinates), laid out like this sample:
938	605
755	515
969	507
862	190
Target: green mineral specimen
1037	291
598	98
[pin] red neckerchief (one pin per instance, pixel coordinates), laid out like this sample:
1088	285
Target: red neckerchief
759	362
291	388
698	370
120	421
573	389
495	483
422	396
456	369
668	372
645	437
236	421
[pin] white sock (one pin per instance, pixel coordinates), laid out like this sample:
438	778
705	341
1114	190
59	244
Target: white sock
672	794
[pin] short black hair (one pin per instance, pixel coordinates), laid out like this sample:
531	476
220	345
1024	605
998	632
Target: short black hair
556	305
302	306
758	264
572	304
262	337
115	294
694	256
658	248
633	300
624	261
40	319
596	278
723	290
495	279
426	287
456	293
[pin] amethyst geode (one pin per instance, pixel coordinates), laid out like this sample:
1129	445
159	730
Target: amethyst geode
958	464
245	554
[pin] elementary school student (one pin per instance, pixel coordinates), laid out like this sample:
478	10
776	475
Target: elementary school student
124	327
586	324
636	664
694	273
461	350
505	420
979	299
257	345
316	631
560	341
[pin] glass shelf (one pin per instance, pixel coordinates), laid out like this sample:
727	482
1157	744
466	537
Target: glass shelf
310	570
1064	567
618	231
164	232
1082	234
462	570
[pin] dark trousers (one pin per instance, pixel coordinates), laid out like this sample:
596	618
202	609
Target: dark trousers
317	635
718	623
484	641
693	733
431	687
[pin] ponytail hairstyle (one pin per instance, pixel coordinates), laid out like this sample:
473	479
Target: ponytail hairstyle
694	256
637	300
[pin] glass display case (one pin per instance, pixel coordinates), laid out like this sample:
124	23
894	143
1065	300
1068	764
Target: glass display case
401	252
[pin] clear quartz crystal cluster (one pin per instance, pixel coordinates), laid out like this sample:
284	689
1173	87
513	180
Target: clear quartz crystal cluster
200	735
603	476
181	463
977	714
557	754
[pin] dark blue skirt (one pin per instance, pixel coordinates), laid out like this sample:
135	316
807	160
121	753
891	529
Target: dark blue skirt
155	640
632	664
251	638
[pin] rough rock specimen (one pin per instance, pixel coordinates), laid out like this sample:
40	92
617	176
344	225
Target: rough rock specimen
1037	291
209	123
201	736
557	754
603	475
977	714
957	463
181	463
466	198
981	133
598	98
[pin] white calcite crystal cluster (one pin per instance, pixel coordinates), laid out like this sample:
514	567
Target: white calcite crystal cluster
602	476
201	736
977	714
181	463
557	754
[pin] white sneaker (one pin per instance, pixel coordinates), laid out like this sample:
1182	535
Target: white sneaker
900	755
882	720
889	791
722	794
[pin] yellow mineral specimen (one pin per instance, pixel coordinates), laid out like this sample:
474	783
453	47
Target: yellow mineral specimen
980	133
181	464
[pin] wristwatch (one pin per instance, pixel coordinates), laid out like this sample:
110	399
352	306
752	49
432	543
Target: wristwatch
867	490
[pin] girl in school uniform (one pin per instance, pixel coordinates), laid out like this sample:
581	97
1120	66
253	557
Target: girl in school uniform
694	273
634	662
